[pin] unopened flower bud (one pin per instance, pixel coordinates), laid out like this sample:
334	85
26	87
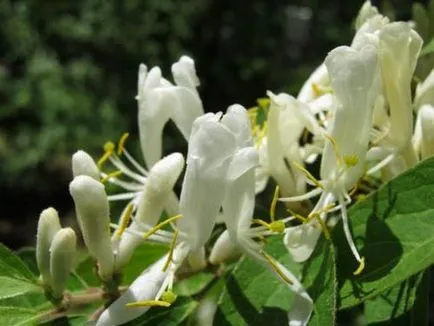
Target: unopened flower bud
161	180
92	209
224	249
83	164
48	226
63	250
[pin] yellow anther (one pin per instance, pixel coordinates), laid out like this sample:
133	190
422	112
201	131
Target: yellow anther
108	151
148	303
308	175
274	203
160	225
121	143
276	267
169	297
263	102
113	174
125	220
277	226
351	160
316	90
109	147
361	266
171	249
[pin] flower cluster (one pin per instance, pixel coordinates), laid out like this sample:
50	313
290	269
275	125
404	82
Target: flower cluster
354	115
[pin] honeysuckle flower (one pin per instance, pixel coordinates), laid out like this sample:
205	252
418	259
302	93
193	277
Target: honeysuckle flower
159	100
212	146
355	80
238	206
83	164
148	288
150	205
48	226
424	93
224	249
399	49
92	210
423	140
62	254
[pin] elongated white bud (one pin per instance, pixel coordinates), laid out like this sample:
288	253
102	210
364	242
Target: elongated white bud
161	180
83	164
48	226
92	209
224	249
63	250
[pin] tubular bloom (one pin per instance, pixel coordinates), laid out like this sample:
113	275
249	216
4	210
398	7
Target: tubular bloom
159	100
238	207
203	190
355	80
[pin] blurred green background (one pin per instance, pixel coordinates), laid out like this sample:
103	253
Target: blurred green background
68	76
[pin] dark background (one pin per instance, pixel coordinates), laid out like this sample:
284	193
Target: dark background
68	76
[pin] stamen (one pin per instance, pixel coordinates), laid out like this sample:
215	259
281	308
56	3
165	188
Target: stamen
263	102
274	203
335	147
276	268
108	151
308	175
149	303
172	248
125	220
122	143
361	266
349	238
160	225
308	195
110	175
324	227
275	226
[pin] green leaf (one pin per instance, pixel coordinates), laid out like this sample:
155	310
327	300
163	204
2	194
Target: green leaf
427	49
320	281
394	231
193	284
18	316
12	266
398	306
10	287
253	296
173	316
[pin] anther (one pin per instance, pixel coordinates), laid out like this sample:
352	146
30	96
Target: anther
121	143
361	266
276	267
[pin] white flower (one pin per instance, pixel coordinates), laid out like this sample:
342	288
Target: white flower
149	207
399	49
159	101
238	207
83	164
355	80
